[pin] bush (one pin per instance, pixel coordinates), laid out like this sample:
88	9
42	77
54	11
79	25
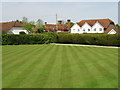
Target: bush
51	37
10	39
90	39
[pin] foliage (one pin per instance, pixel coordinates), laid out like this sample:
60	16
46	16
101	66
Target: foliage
91	39
11	39
71	24
39	22
25	20
52	37
41	29
117	26
29	26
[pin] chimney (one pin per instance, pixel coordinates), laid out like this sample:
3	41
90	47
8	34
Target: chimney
45	23
68	20
59	21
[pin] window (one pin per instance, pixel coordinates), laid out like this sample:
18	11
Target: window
88	29
83	29
100	29
78	30
73	29
95	29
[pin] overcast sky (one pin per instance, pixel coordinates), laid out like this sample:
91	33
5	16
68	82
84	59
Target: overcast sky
47	11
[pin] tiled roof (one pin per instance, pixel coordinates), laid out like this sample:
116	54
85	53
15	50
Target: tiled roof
110	27
8	25
103	22
56	27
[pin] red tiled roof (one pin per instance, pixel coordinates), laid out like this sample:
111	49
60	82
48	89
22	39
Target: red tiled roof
110	27
56	27
6	26
103	22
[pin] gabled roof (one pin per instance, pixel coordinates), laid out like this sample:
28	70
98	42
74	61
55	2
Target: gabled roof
110	27
6	26
103	22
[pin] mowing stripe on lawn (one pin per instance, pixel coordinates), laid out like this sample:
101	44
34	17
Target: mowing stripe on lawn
55	66
7	51
41	76
66	73
16	54
103	72
104	61
54	74
88	79
16	60
16	77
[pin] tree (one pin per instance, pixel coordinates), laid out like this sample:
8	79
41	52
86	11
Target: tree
41	29
71	24
29	26
39	22
117	26
25	20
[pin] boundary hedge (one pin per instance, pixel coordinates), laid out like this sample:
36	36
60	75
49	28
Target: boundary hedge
51	37
90	39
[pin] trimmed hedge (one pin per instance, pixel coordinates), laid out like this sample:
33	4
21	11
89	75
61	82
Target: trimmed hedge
10	39
52	37
90	39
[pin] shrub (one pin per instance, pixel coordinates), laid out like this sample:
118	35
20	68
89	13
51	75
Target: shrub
10	39
90	39
51	37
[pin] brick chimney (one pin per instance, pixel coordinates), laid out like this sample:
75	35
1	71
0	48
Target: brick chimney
59	21
68	21
45	23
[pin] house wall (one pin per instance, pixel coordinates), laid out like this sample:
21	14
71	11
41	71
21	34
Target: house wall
17	30
97	26
75	29
112	32
86	28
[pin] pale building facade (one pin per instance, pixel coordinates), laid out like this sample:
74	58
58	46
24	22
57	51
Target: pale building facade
94	26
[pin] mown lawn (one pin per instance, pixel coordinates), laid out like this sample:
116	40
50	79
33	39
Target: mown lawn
53	66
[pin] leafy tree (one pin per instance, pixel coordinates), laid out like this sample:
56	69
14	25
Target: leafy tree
25	20
71	24
39	22
17	21
41	29
117	26
29	26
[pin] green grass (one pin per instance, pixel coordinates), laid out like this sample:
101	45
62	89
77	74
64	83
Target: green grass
53	66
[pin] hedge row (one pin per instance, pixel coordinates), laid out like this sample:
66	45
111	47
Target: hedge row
10	39
90	39
49	37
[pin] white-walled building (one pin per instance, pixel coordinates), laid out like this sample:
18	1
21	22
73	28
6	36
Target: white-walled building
94	26
13	27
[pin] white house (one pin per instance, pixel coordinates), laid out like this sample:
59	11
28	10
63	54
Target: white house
12	27
94	26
